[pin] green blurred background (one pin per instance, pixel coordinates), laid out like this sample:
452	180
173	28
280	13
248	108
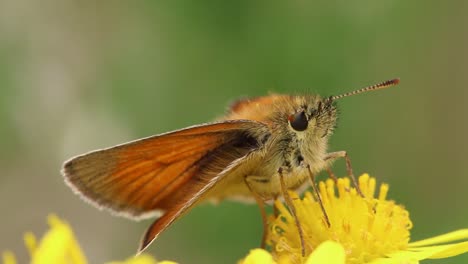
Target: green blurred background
80	75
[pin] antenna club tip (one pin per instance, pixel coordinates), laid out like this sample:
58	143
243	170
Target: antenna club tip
395	81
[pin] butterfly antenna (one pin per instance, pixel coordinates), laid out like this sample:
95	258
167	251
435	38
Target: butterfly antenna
374	87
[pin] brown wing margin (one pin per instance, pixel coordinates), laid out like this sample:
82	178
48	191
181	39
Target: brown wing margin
158	173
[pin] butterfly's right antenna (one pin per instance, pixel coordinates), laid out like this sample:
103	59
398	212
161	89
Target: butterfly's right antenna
374	87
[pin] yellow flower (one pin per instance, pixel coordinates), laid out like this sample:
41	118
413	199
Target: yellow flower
371	229
258	256
59	246
328	252
141	259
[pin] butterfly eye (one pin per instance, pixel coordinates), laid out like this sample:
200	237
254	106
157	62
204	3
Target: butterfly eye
298	121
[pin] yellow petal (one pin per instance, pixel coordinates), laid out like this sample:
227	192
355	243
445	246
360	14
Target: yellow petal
52	248
329	252
8	257
58	245
414	255
141	259
31	242
394	260
445	238
443	251
258	256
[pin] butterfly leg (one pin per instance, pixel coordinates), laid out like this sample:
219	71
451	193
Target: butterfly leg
290	204
261	206
332	175
275	210
317	193
343	154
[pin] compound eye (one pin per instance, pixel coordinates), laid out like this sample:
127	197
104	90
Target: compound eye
298	121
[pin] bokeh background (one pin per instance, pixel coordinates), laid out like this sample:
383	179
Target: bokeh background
81	75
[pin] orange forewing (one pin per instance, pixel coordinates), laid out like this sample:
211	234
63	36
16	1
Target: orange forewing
166	173
132	178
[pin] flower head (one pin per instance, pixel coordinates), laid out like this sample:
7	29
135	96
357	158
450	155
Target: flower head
59	246
371	229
